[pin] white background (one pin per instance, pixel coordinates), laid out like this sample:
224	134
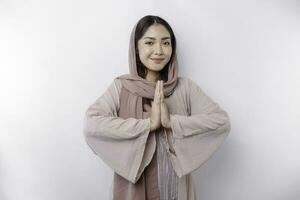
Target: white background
58	56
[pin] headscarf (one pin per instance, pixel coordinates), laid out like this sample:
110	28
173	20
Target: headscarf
134	89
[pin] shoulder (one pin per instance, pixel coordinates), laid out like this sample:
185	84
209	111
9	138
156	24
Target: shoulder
117	81
116	84
187	83
189	87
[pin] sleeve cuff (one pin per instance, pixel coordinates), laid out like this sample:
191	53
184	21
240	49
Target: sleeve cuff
175	126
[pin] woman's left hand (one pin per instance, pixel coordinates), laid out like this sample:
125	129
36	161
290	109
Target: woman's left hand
165	116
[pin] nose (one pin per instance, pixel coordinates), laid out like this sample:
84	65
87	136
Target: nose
158	50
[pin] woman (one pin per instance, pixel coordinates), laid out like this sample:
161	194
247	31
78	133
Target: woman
152	127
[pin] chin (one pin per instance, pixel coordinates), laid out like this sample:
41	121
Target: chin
156	68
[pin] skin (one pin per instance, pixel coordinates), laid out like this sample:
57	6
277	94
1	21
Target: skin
156	43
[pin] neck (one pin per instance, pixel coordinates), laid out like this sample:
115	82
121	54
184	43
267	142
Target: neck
152	76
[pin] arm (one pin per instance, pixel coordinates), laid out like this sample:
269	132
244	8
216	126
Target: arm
206	115
120	143
193	139
101	118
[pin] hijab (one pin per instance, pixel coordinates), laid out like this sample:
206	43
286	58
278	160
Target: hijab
135	87
134	90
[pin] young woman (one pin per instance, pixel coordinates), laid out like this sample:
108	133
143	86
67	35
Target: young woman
152	127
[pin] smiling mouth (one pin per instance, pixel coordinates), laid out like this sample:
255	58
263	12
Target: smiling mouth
157	60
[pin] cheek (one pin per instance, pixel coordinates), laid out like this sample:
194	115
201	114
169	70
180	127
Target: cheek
144	52
147	51
169	52
143	55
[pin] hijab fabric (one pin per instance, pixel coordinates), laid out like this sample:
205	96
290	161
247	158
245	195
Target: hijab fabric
134	89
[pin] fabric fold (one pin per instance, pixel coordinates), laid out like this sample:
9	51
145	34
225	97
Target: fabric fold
154	165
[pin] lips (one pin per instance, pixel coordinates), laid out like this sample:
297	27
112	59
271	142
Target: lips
157	60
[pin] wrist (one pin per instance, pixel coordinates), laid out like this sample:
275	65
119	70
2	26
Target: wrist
167	124
153	126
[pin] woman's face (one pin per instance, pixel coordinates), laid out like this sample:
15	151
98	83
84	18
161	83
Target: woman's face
155	48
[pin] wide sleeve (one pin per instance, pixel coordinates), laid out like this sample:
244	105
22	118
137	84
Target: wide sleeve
205	114
119	142
101	118
194	138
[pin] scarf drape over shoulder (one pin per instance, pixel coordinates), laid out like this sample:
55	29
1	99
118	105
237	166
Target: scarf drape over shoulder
138	87
117	129
134	89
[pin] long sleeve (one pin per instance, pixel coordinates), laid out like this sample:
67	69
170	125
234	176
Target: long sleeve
205	115
193	139
102	120
119	142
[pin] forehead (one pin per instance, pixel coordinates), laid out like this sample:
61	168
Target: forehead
157	31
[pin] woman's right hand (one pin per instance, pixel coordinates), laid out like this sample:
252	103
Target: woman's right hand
155	121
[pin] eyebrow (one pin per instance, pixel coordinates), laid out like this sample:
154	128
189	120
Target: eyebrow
152	38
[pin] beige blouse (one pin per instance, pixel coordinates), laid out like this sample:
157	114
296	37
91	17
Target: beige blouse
198	128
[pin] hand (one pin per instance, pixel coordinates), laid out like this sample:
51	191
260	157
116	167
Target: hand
165	116
155	119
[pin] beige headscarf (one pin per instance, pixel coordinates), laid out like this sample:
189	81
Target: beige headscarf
134	89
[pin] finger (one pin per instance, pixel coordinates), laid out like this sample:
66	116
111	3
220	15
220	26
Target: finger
156	87
163	105
162	91
156	94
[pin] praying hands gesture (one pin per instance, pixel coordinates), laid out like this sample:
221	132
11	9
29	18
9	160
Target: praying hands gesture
159	111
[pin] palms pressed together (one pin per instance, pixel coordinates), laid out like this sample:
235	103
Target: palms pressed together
159	111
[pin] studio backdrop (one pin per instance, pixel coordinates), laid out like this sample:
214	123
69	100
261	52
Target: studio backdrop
57	57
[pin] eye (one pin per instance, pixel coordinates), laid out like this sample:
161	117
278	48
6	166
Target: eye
149	43
167	43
